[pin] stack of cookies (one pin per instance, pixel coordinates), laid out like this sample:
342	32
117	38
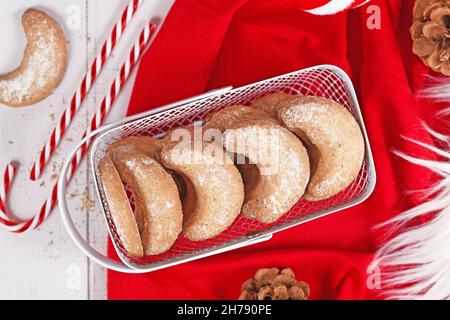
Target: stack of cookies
257	161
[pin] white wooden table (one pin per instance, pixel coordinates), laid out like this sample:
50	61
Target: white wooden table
45	264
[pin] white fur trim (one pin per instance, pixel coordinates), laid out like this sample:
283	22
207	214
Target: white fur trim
415	263
440	92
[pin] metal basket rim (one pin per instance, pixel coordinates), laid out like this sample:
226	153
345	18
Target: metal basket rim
267	233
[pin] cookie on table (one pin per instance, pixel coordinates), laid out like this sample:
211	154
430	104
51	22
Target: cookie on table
43	65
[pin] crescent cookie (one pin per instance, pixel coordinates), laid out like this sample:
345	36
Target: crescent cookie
120	208
144	144
272	103
280	172
158	207
151	147
214	188
43	65
334	140
223	118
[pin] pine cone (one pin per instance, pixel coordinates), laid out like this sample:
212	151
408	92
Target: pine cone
273	284
430	32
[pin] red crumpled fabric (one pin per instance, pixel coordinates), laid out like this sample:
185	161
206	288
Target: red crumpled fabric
207	44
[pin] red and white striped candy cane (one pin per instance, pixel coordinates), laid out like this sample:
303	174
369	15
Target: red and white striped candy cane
78	97
7	220
116	87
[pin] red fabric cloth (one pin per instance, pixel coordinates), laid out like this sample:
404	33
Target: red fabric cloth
207	44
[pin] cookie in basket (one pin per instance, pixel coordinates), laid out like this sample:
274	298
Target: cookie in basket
121	211
158	207
224	118
334	140
272	103
152	148
214	188
144	144
278	170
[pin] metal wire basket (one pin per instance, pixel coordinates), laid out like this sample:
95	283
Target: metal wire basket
324	81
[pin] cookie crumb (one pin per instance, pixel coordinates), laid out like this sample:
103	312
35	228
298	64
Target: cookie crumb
86	203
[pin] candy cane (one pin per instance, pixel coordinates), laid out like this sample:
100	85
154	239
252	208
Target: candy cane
78	97
7	220
116	87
